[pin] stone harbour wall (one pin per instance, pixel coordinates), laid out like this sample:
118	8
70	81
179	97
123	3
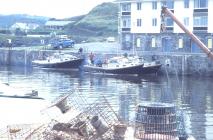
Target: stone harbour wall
172	63
183	64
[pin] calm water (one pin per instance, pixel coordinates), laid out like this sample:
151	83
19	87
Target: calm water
192	94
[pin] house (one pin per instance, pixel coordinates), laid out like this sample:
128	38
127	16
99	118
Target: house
24	26
56	24
140	25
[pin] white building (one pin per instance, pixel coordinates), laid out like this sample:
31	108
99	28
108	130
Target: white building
57	24
140	22
24	26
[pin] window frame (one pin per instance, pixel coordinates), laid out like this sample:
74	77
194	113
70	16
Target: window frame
154	5
200	4
139	6
139	22
154	22
186	3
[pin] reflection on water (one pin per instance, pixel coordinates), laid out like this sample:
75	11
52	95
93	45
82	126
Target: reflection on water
192	94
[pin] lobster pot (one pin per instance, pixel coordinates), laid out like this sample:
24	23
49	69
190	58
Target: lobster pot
155	121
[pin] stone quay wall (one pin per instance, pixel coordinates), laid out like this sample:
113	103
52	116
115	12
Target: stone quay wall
172	63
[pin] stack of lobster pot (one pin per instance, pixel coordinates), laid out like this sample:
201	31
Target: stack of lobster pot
156	121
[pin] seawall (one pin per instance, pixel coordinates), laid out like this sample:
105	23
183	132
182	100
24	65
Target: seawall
176	64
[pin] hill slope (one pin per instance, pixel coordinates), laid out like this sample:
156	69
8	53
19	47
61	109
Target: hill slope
8	20
100	21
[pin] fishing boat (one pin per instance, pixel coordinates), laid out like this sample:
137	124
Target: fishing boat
12	92
59	60
116	65
151	67
124	65
22	113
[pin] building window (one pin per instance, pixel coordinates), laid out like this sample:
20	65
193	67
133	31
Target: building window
139	6
127	38
200	3
169	21
200	21
126	7
138	42
180	43
139	22
154	5
154	22
168	3
126	23
153	42
209	43
186	3
186	21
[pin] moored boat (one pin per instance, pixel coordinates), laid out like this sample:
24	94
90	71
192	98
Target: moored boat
124	65
12	92
59	60
116	65
151	67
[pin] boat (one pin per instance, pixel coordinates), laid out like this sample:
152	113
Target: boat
124	65
20	118
115	65
151	67
148	67
59	60
12	92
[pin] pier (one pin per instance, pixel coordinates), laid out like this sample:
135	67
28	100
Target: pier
177	63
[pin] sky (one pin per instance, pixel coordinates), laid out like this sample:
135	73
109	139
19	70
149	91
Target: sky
50	8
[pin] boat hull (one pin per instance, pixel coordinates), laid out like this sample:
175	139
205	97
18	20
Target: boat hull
153	69
125	70
138	69
24	97
63	64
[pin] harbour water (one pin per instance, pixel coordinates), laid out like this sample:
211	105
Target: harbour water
191	94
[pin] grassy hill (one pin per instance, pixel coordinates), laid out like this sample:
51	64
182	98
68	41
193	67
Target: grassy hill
100	22
8	20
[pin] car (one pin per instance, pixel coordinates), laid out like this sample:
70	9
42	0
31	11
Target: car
62	43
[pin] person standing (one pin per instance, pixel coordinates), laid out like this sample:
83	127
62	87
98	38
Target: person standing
80	50
91	57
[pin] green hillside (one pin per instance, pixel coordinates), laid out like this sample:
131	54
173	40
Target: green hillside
8	20
100	22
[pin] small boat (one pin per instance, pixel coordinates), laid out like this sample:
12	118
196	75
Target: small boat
151	67
124	65
116	65
12	92
148	67
59	60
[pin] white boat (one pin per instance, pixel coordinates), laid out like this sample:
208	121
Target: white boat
13	92
21	116
59	60
19	106
116	65
148	67
124	65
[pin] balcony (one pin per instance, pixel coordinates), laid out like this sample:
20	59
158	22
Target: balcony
125	29
200	29
169	29
126	13
201	10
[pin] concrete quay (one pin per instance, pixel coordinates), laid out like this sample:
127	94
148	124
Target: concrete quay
177	63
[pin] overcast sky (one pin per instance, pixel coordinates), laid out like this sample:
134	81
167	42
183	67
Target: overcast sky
50	8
